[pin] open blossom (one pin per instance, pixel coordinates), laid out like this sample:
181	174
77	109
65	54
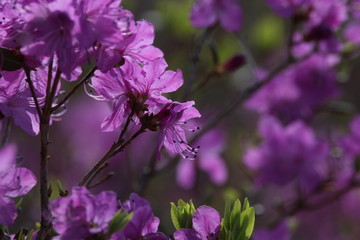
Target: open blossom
129	88
206	13
136	48
206	225
173	123
14	182
16	100
287	154
82	215
209	160
143	224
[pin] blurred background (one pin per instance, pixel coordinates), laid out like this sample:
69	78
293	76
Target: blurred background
219	172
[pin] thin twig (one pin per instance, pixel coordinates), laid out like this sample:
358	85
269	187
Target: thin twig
44	141
74	89
32	91
194	62
6	132
114	149
95	174
104	179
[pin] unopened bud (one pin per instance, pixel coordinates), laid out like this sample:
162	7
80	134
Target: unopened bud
231	65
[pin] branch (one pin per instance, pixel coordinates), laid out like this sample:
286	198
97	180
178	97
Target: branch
32	90
117	147
75	88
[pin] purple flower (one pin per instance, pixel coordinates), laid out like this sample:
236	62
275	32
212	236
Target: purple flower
209	160
351	32
287	154
172	120
143	224
134	87
342	166
280	232
136	48
50	31
206	225
206	13
287	8
298	91
82	215
14	182
99	21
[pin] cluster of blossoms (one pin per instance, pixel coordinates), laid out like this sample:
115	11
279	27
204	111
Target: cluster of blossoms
86	216
293	155
62	36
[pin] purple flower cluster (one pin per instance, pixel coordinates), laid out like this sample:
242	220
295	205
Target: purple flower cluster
290	153
63	36
86	216
14	182
299	91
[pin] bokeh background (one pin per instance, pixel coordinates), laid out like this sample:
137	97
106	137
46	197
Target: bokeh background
77	141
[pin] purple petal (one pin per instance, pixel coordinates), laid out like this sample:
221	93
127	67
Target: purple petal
186	173
214	165
7	210
17	182
206	222
203	14
186	234
230	15
7	157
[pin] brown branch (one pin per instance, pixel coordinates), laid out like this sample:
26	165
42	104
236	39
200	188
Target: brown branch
117	147
32	91
74	89
44	141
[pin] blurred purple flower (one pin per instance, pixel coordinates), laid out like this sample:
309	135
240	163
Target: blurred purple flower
209	160
287	154
14	182
298	91
287	8
280	232
206	225
82	215
206	13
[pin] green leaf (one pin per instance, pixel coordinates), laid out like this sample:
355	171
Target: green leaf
119	221
238	222
174	216
247	221
181	215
